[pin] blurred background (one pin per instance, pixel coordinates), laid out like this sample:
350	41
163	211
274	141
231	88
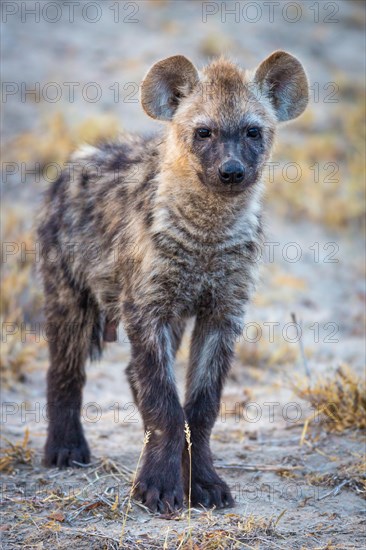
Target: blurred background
71	73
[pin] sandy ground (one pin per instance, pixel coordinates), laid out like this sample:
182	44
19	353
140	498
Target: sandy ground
257	438
260	426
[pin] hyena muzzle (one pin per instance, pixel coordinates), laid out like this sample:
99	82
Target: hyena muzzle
151	232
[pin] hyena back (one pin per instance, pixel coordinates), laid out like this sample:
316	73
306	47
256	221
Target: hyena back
151	232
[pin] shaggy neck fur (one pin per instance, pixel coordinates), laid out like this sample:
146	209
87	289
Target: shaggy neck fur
207	215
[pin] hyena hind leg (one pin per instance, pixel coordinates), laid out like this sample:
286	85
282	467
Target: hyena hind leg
75	333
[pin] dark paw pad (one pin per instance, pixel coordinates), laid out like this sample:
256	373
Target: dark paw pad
211	493
63	454
158	493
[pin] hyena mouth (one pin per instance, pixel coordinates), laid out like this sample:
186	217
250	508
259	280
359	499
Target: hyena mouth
228	189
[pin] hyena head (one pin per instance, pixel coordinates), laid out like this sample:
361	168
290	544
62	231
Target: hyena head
223	120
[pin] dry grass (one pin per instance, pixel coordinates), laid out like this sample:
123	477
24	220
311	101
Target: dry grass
239	532
133	487
20	303
89	515
15	357
16	454
336	199
267	354
352	476
97	495
57	139
340	400
187	432
61	509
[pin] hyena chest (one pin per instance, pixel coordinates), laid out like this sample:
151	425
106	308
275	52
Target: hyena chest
186	282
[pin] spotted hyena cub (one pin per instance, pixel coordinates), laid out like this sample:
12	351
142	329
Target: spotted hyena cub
151	232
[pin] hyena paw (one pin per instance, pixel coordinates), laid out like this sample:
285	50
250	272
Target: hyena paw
210	491
66	451
160	489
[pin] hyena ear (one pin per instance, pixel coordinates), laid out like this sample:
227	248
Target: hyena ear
165	84
282	79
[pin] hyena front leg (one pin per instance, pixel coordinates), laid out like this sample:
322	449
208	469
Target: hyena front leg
70	319
177	330
211	353
159	484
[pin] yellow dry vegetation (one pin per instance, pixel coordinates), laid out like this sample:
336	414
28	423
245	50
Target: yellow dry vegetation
20	297
340	399
15	454
265	353
331	186
240	532
57	139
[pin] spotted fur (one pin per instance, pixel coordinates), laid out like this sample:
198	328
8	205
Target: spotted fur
143	231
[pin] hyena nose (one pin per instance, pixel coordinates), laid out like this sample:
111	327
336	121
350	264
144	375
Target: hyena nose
231	171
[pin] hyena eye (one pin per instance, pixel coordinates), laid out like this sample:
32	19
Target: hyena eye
254	132
203	133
